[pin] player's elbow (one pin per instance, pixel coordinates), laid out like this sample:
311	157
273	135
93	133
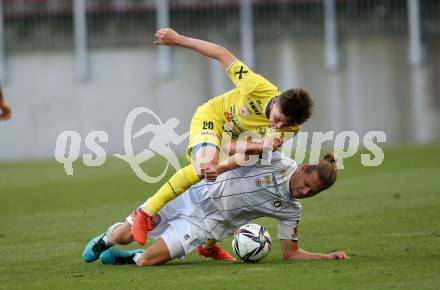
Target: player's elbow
224	56
220	51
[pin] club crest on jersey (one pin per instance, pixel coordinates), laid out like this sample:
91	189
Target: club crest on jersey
244	111
267	180
259	182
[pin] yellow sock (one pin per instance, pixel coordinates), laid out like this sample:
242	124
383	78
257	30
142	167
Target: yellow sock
178	183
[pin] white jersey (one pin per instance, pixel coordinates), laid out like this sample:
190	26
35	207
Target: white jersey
243	194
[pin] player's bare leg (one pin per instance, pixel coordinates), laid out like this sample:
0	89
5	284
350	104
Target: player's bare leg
122	235
118	233
154	255
175	186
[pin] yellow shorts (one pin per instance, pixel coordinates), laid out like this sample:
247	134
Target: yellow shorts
206	129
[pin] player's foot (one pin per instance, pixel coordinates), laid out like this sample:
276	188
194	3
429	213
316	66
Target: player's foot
94	248
119	257
142	224
215	253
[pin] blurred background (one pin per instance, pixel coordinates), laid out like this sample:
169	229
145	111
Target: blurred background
83	65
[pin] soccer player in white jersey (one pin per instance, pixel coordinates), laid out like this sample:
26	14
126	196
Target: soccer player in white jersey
213	210
5	108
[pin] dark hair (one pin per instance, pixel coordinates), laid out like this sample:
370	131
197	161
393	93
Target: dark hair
326	169
296	105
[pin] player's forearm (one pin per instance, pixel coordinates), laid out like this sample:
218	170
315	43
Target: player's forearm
212	171
207	49
251	148
231	163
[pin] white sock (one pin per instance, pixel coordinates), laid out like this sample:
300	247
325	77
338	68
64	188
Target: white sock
136	258
108	235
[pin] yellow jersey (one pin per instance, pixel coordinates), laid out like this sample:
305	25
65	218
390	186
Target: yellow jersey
247	106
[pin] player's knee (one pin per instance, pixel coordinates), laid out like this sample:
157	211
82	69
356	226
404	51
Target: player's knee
145	261
123	239
122	234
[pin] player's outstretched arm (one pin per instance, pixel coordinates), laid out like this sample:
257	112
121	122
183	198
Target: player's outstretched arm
291	251
5	108
167	36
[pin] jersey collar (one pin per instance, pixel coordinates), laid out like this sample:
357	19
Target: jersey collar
269	105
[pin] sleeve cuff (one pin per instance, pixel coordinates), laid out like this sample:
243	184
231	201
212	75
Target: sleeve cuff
229	67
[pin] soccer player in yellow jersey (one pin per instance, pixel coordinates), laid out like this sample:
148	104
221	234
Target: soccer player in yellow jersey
254	105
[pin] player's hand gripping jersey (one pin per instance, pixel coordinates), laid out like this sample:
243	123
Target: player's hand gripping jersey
244	108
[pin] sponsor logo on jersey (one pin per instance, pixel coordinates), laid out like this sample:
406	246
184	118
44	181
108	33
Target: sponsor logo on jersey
197	242
259	182
254	108
259	104
227	127
244	111
187	236
237	125
207	133
227	117
241	72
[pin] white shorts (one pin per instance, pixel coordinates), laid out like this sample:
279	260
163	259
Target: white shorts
180	236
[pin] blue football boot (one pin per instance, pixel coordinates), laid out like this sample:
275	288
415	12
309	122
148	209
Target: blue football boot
94	249
119	257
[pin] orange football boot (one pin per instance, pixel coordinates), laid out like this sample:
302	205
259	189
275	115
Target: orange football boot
215	253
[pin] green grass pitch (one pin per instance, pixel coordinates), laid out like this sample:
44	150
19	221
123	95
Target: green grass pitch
387	218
